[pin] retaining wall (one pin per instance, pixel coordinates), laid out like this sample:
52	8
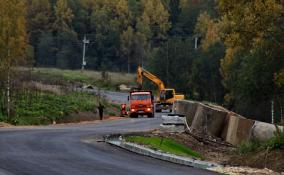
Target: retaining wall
220	122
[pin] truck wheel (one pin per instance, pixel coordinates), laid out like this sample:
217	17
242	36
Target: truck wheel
151	115
133	116
158	108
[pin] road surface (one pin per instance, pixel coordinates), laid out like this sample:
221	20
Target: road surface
61	150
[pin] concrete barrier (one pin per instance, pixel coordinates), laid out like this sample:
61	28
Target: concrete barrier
186	108
173	120
172	128
173	123
217	121
237	129
264	131
208	120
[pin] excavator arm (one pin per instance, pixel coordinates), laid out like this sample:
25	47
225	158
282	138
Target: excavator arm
142	72
165	97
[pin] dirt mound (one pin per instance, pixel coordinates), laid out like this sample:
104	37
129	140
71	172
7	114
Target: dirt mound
2	124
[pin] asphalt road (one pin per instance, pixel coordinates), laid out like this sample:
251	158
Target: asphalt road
62	150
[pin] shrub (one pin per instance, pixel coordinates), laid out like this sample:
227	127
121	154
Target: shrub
250	146
276	142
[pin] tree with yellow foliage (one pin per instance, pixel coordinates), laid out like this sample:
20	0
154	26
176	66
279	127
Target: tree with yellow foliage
13	39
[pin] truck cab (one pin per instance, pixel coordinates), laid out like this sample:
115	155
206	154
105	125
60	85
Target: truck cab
141	103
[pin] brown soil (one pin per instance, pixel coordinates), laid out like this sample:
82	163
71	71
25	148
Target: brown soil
82	117
79	117
2	124
226	155
106	118
274	160
211	152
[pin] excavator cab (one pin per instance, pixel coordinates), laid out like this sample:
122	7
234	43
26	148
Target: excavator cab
167	94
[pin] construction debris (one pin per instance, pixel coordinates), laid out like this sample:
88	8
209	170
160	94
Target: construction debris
243	171
173	123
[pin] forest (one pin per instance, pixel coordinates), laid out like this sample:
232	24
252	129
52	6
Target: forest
227	52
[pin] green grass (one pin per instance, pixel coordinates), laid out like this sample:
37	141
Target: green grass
165	145
42	108
110	80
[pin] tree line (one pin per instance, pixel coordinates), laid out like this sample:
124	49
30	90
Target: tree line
227	52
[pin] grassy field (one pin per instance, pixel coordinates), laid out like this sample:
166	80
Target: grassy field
109	80
165	145
42	108
48	95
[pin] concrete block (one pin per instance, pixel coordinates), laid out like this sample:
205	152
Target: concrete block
187	108
238	130
172	128
264	131
173	119
208	120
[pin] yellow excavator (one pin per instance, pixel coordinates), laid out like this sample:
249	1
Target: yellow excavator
165	97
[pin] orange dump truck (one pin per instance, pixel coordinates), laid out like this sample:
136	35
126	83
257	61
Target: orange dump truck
141	103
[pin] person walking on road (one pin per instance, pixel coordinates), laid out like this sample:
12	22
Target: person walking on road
101	111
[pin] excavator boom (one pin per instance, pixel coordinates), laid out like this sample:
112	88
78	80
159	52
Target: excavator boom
166	97
142	72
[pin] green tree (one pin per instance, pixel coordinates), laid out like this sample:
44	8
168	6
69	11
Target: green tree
252	33
110	19
63	17
46	50
67	45
127	43
151	27
38	19
154	22
205	78
38	22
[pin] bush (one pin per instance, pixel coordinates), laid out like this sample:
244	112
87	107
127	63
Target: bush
276	142
250	146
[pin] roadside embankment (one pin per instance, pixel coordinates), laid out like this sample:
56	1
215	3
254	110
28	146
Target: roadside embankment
258	144
212	156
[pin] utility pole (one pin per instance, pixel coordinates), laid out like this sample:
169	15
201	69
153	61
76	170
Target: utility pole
195	42
85	41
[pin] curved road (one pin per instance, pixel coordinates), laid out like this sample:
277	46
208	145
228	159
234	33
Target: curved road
60	150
